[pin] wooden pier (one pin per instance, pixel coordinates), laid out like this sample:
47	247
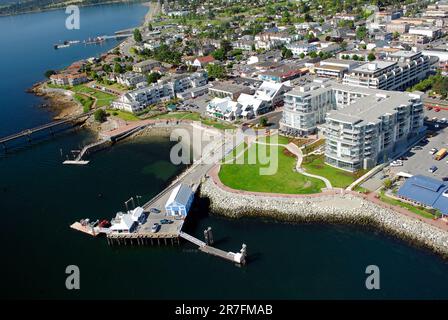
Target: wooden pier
140	239
49	126
95	146
239	257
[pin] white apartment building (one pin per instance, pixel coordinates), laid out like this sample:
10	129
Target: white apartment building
430	32
139	99
399	71
130	79
299	48
370	130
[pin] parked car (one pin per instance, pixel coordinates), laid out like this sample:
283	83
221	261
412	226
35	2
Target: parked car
396	163
154	210
166	221
445	179
432	169
155	228
433	151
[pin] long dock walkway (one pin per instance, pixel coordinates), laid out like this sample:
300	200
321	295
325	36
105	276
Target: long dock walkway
29	132
239	257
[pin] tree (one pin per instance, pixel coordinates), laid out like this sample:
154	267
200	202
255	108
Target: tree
219	54
153	77
387	183
302	55
371	56
355	57
263	121
118	68
216	71
100	115
107	68
49	73
361	33
286	53
137	35
313	54
226	46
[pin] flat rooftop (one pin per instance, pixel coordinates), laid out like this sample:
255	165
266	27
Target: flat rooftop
379	65
370	108
228	86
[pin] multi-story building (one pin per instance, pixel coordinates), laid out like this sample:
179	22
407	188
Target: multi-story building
335	68
413	39
397	27
139	99
430	32
228	89
145	66
399	71
71	79
360	125
130	79
369	131
298	48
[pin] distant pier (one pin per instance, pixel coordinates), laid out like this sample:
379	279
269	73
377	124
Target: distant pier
49	126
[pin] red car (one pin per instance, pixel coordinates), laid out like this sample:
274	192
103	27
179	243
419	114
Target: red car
437	110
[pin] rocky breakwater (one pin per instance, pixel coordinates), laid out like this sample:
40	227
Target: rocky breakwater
325	208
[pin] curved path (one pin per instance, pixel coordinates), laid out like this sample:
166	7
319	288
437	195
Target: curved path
294	149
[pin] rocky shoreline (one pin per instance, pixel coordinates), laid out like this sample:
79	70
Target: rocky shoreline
340	208
60	102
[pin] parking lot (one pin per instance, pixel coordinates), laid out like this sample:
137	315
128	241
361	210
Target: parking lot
418	160
198	104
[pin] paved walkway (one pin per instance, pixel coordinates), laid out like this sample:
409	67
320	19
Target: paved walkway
442	224
439	223
294	149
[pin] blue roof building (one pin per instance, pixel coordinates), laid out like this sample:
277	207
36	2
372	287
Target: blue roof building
427	191
180	200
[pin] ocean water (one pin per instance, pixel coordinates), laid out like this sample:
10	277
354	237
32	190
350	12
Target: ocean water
40	198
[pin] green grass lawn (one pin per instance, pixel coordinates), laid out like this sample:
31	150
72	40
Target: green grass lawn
417	210
103	98
127	116
337	177
280	139
86	101
285	180
180	115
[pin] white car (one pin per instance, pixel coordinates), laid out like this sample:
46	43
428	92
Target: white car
443	120
433	151
396	163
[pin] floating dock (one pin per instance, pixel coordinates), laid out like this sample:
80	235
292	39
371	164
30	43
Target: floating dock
86	229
